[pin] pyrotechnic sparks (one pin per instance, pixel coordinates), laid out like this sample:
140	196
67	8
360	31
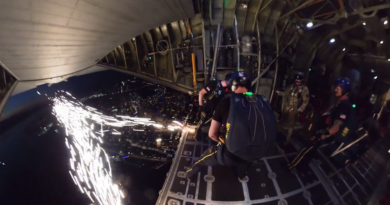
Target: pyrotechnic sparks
89	163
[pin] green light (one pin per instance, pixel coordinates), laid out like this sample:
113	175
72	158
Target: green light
214	79
309	69
353	105
248	93
150	58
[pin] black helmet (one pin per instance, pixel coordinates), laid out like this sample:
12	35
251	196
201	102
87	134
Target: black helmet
299	76
240	79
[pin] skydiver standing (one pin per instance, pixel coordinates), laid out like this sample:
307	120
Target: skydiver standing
296	99
209	97
250	130
341	120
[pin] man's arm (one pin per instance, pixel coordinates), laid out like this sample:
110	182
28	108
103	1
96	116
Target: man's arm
209	87
333	129
201	96
217	120
282	93
305	99
214	129
343	112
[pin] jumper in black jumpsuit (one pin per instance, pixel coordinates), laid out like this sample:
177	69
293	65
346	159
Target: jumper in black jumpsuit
210	156
342	111
214	93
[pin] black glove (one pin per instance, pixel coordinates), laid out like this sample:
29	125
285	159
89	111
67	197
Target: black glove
199	114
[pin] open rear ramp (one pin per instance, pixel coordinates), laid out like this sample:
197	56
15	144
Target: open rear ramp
269	184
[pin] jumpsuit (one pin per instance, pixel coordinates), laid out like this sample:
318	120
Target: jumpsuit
296	98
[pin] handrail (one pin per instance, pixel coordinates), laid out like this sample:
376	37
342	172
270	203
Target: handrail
276	65
348	146
216	49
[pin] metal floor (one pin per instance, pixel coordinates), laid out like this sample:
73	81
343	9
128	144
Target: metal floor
269	184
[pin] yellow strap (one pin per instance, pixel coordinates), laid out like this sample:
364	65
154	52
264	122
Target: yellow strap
202	160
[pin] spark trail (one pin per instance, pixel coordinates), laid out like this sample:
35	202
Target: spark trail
89	164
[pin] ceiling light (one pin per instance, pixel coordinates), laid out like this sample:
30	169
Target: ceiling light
385	22
381	42
343	49
332	40
309	25
364	23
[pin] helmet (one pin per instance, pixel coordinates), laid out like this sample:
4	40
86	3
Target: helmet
240	79
344	84
229	76
299	76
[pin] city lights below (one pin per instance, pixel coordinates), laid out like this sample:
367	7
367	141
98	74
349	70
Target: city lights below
90	167
158	126
178	123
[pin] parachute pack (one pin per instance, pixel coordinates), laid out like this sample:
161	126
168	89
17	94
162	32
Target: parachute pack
251	126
